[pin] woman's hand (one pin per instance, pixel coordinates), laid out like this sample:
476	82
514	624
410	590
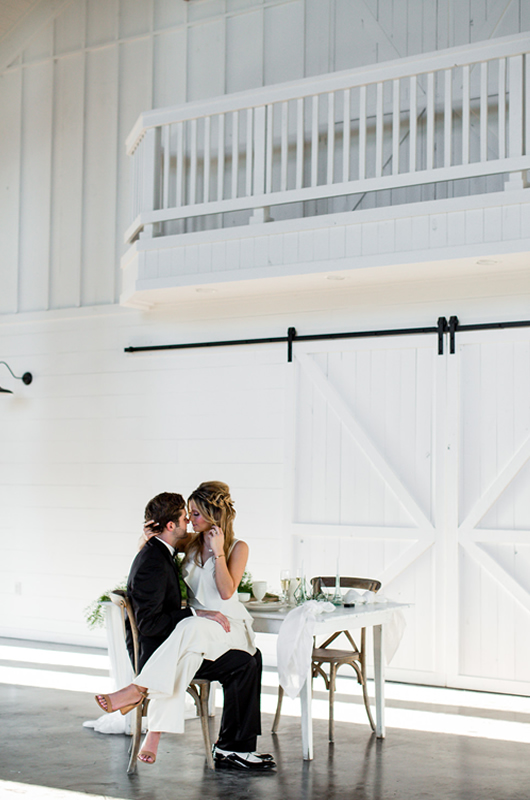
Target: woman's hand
215	540
216	616
147	534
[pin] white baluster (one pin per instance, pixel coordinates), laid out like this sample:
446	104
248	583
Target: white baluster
299	142
346	133
527	103
259	214
362	133
284	150
413	127
379	131
166	137
193	162
314	141
180	164
515	143
135	184
448	117
220	156
270	148
484	111
249	152
331	138
465	114
517	180
430	121
501	111
396	119
259	150
207	157
235	152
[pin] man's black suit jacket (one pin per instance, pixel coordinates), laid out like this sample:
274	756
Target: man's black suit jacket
154	589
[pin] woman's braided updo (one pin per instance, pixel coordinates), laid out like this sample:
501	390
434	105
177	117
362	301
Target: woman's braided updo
213	500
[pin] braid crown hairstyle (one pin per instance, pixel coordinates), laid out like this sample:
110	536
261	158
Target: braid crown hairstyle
213	500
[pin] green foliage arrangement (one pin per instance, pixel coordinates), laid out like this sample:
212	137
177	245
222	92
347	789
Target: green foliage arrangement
245	584
94	612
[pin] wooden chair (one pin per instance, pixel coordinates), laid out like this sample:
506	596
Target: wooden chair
199	690
355	657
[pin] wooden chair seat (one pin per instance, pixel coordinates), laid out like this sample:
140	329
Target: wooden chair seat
199	690
323	654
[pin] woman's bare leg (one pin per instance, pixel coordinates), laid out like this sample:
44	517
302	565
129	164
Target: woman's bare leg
130	695
150	747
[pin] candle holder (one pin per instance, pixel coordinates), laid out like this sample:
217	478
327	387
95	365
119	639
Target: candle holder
337	597
300	594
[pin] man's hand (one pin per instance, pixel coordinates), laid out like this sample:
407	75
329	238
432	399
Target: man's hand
216	616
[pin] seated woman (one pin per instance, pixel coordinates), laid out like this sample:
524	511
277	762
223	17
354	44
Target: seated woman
213	566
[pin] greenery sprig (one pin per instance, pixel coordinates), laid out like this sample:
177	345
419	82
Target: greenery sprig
245	584
94	615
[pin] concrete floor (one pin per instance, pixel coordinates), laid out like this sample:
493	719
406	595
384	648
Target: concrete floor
45	745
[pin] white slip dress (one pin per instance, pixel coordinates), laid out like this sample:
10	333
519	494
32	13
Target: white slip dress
170	669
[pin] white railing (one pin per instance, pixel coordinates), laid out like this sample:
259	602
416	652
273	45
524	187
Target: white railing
453	114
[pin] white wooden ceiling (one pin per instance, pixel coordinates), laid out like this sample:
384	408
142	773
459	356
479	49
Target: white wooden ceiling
11	13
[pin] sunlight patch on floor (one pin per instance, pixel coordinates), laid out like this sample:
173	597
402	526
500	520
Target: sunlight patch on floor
50	679
461	722
61	658
9	790
417	719
433	695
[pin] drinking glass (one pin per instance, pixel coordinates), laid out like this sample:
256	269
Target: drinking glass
285	579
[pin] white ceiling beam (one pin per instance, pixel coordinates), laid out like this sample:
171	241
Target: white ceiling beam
13	44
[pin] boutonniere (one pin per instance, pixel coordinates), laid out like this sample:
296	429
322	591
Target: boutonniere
179	558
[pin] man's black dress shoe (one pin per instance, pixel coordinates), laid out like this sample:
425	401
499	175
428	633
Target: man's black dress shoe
238	761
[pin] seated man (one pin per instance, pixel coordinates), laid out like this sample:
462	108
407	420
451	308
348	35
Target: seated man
167	632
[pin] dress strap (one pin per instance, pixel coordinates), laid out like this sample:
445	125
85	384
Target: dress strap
232	547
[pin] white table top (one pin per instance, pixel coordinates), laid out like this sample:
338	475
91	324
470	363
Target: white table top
360	616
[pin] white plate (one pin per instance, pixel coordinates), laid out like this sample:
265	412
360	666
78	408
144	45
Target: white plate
272	605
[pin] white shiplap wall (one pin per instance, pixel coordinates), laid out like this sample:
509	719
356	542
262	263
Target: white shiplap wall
99	432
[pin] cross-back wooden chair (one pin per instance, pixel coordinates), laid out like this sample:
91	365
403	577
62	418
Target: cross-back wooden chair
199	690
355	657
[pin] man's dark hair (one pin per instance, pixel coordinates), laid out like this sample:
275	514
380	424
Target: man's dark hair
164	508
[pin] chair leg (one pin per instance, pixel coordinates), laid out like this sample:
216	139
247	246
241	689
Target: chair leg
204	694
276	722
136	739
332	676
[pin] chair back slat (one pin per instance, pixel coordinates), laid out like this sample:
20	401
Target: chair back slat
120	598
367	584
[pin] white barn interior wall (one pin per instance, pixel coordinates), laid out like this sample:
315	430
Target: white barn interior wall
100	431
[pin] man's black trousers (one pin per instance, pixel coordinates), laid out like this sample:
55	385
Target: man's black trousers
239	673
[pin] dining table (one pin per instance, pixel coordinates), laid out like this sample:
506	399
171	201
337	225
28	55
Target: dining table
268	618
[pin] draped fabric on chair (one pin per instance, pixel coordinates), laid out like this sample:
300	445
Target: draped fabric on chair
355	657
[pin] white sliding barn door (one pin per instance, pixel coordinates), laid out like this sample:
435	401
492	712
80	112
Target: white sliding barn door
409	467
489	510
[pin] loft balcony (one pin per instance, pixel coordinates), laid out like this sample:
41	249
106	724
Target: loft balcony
400	163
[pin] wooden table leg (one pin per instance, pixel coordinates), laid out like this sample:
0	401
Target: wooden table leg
307	719
379	679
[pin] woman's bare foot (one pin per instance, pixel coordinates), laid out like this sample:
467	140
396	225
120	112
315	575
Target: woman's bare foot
129	696
149	747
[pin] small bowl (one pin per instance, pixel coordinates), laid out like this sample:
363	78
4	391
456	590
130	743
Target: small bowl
244	596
